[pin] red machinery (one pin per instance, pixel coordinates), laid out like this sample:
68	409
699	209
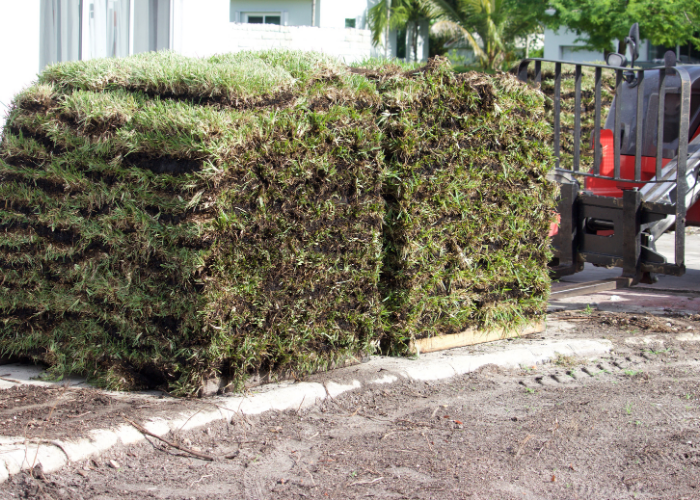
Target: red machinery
643	182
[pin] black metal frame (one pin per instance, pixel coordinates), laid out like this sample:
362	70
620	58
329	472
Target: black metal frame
631	245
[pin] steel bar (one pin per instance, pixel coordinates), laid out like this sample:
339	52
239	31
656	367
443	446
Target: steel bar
557	112
666	192
522	70
568	193
577	118
618	118
607	177
681	178
660	122
631	230
596	132
585	65
640	124
667	269
667	195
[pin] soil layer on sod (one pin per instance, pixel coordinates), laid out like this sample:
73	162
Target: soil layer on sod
165	221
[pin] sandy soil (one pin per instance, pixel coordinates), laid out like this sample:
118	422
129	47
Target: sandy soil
68	412
624	426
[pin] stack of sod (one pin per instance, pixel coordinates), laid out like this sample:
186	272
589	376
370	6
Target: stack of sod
166	220
468	206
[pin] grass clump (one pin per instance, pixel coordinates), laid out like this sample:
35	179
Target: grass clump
166	220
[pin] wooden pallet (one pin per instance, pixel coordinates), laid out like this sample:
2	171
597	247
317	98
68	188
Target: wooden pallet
564	290
470	337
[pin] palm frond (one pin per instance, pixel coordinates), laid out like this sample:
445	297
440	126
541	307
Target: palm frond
457	31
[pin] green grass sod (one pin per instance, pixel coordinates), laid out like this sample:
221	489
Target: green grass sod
166	220
468	206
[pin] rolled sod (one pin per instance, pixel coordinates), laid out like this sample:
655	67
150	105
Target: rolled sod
167	221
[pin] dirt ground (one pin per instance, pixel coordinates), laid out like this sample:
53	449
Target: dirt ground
66	412
624	426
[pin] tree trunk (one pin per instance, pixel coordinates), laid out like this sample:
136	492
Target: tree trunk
527	46
621	47
415	41
388	23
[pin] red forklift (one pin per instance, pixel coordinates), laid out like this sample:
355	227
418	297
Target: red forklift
643	179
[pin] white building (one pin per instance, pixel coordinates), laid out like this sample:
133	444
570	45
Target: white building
562	45
34	33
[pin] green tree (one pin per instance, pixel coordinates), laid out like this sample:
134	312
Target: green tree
668	22
490	27
598	22
525	18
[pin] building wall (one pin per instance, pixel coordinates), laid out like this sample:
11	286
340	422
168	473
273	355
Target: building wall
206	29
561	45
201	25
19	58
151	26
329	13
386	49
333	13
295	12
422	41
644	51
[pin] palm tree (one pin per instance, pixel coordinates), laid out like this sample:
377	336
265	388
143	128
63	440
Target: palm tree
396	14
481	23
490	27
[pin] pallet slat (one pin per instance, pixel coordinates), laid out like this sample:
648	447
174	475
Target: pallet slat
471	337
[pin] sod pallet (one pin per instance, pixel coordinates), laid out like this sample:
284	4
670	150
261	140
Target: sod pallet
166	221
471	336
468	206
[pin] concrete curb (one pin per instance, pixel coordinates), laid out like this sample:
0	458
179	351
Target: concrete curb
17	454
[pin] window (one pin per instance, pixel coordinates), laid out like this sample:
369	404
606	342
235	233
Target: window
688	54
276	18
262	18
151	25
60	31
86	29
108	29
350	22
